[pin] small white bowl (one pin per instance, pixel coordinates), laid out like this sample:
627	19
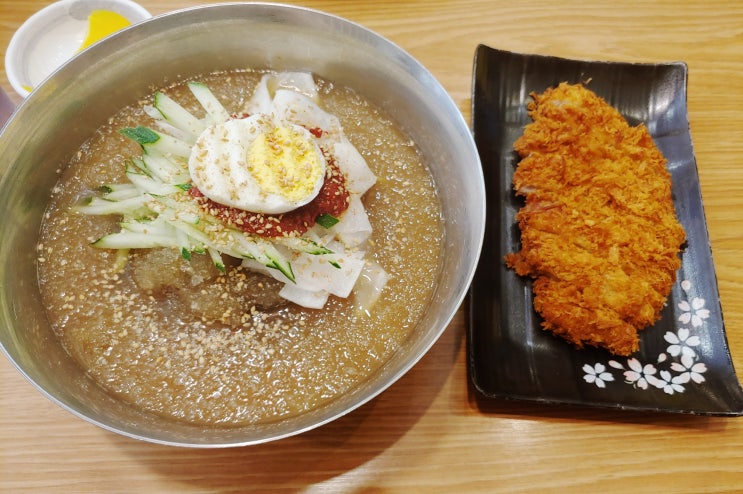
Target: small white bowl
53	35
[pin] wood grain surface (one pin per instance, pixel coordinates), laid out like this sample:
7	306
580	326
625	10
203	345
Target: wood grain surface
429	432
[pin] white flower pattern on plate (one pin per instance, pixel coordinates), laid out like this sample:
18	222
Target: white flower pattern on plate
640	375
682	343
597	375
693	369
672	384
683	369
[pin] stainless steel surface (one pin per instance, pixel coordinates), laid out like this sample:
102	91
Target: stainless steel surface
6	107
57	117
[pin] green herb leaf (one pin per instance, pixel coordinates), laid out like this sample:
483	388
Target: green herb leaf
142	135
326	220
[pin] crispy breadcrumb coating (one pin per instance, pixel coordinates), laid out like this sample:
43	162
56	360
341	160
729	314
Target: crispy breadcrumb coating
599	233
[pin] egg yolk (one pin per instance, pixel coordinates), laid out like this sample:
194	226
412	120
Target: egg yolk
283	162
259	164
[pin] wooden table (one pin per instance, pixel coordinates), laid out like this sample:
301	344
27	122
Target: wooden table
429	432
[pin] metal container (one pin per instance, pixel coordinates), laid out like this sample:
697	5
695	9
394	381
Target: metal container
6	108
65	110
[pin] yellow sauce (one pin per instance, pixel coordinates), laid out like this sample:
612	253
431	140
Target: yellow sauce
102	23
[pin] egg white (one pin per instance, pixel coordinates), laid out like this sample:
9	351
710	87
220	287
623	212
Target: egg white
226	167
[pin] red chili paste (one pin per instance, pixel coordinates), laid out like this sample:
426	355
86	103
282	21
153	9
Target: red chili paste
332	199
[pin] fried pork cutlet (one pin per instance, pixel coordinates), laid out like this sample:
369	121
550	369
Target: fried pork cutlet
599	234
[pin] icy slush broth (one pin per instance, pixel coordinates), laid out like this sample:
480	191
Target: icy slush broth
207	352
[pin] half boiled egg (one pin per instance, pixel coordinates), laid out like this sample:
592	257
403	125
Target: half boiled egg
261	164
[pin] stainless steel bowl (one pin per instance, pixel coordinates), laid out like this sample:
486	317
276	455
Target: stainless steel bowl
65	110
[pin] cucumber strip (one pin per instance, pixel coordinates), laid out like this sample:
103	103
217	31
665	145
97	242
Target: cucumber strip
277	260
187	217
145	183
176	210
99	206
156	227
210	102
165	169
153	113
217	260
169	145
131	240
303	244
232	249
163	125
231	241
150	139
178	116
138	165
184	242
119	192
238	242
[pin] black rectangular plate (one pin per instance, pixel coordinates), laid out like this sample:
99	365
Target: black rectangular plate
684	363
